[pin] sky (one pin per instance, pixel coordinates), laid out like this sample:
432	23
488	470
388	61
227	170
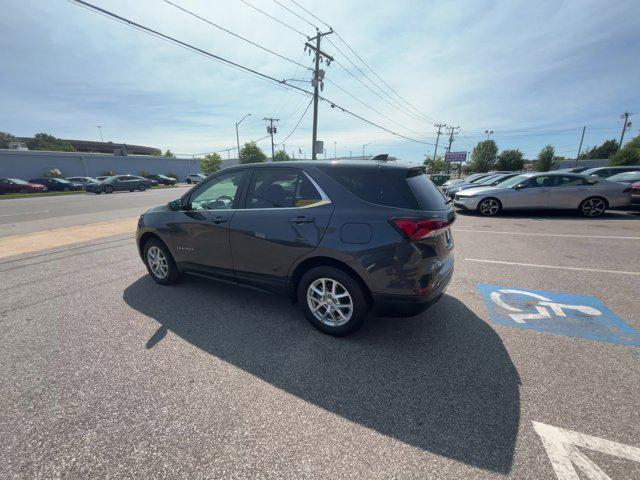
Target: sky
533	72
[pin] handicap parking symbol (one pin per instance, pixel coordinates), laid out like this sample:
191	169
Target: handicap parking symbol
559	313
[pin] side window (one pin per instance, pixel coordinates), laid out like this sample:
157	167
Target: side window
537	182
568	181
272	188
306	194
219	194
602	173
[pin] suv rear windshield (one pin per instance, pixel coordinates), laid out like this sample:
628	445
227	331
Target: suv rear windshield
390	187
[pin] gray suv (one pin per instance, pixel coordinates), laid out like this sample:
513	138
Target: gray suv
342	238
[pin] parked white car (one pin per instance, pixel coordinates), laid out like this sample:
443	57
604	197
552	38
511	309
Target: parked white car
195	177
549	190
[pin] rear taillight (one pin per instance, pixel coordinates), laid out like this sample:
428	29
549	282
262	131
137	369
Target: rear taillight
417	228
627	190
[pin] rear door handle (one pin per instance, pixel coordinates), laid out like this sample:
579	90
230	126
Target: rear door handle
302	219
219	219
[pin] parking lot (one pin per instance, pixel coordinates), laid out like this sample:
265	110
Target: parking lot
109	375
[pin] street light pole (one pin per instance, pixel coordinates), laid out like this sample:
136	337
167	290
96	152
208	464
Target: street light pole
365	145
100	129
237	135
334	150
488	132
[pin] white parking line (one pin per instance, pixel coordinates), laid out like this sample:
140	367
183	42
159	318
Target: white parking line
546	234
24	213
623	272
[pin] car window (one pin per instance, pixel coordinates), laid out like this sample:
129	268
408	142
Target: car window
219	194
568	181
306	194
537	182
272	188
379	186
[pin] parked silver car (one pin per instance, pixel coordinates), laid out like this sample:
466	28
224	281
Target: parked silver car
591	196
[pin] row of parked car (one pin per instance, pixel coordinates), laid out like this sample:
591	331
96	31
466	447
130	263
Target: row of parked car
102	184
591	191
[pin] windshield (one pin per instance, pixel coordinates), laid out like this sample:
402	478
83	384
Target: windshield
487	180
18	181
590	171
61	180
109	180
513	181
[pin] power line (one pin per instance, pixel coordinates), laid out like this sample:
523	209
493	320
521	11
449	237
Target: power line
364	62
273	18
297	124
388	99
233	64
234	34
294	13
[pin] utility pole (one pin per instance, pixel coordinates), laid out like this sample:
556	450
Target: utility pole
580	147
452	130
335	146
318	76
271	130
238	136
625	115
439	125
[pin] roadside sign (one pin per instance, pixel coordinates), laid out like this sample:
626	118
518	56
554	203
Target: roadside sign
562	447
559	313
455	157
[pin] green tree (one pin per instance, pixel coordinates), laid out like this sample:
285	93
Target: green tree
545	159
484	156
510	160
44	141
252	153
628	155
608	148
434	165
281	156
211	163
169	153
5	139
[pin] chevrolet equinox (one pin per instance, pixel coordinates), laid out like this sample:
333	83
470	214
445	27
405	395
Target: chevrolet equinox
341	237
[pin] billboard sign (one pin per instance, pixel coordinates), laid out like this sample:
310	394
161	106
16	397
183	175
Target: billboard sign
455	157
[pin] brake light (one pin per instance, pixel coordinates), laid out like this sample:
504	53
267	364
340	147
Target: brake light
627	190
417	228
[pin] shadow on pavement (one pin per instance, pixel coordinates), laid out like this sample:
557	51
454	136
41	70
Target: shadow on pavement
558	214
442	381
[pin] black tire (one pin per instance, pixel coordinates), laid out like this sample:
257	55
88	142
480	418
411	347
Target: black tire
142	187
173	274
350	285
189	181
593	207
108	189
24	191
489	207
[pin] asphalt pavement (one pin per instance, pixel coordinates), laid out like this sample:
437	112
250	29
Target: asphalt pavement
37	213
109	375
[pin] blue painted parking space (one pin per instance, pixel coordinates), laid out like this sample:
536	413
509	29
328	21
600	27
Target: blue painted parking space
559	313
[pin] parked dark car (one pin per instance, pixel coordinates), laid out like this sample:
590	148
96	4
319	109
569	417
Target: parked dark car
121	183
341	237
58	184
102	178
162	179
15	185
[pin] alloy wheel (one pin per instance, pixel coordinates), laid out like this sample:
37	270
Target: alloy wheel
593	207
158	262
489	207
330	302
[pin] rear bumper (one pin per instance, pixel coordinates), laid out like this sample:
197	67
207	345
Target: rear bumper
409	305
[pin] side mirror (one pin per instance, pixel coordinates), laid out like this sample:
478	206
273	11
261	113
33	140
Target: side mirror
176	205
519	186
